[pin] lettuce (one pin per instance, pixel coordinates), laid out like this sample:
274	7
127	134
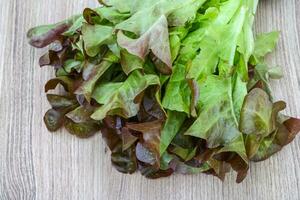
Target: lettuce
174	86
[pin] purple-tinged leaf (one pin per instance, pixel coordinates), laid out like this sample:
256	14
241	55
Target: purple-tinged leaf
155	39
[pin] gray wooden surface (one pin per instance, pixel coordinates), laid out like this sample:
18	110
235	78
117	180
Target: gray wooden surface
35	164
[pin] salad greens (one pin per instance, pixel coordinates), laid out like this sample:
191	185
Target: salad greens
174	86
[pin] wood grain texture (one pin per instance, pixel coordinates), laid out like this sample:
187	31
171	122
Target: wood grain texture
35	164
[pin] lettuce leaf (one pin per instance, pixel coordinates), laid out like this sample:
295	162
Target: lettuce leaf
217	122
121	101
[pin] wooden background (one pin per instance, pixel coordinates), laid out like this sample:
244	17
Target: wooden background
35	164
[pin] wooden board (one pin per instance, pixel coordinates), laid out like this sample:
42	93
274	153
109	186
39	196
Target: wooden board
35	164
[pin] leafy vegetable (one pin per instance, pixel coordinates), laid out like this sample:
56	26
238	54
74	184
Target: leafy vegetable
174	86
265	43
122	101
94	36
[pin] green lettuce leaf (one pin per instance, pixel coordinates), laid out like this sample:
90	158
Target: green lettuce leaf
177	97
185	14
219	42
265	43
122	101
122	5
246	40
130	62
94	36
217	122
170	129
94	73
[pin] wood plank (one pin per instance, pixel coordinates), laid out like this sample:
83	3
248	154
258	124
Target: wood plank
35	164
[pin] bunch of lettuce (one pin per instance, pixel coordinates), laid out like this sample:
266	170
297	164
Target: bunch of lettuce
173	85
